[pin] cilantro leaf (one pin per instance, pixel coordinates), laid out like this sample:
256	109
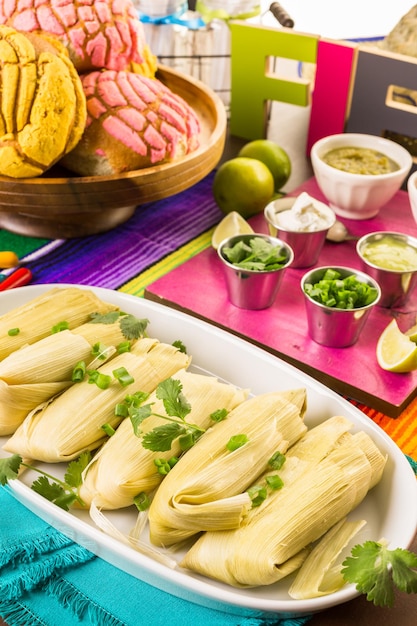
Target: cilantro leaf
175	403
73	475
53	492
181	347
375	571
256	254
161	437
9	468
104	318
137	415
132	327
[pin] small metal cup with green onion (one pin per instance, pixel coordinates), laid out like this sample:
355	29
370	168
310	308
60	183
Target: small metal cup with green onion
338	302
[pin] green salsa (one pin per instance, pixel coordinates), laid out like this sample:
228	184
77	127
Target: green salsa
360	161
391	253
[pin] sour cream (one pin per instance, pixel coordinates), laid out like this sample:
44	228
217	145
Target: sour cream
306	215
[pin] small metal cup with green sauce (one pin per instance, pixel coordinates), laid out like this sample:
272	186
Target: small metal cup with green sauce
391	259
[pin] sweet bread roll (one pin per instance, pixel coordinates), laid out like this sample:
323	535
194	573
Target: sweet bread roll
42	104
97	33
133	122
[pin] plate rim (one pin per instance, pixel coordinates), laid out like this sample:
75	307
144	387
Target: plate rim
188	587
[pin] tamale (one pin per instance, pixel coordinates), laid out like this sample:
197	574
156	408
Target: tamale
40	366
315	496
205	489
73	421
36	318
123	468
16	402
319	575
50	359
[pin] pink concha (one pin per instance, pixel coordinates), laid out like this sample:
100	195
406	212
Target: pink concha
97	33
133	122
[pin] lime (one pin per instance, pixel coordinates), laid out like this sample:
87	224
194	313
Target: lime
395	351
232	224
243	185
274	157
412	333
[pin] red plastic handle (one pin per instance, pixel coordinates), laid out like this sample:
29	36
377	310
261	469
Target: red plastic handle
19	278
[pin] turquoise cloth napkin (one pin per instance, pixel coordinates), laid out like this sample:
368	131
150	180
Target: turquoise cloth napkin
48	580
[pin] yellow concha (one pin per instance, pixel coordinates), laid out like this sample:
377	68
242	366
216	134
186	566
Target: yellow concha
232	224
395	351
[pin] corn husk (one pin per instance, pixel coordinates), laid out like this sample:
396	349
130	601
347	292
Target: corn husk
206	489
317	493
50	359
319	575
123	468
73	421
16	402
107	334
36	318
40	366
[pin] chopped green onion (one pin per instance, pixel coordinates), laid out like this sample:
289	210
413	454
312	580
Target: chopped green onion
257	495
12	332
123	347
165	465
136	399
122	375
101	380
219	415
274	482
108	429
142	501
341	293
79	371
121	410
99	350
277	460
236	441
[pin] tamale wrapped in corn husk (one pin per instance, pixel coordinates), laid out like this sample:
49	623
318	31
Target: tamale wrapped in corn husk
318	575
36	318
16	402
40	366
73	421
315	496
205	489
123	468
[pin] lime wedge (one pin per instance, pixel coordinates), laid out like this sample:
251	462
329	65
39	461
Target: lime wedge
232	224
395	351
412	333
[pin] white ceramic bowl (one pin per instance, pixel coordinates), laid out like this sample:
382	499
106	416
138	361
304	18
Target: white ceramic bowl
358	196
412	193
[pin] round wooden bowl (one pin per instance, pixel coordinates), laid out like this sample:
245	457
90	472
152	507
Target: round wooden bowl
59	205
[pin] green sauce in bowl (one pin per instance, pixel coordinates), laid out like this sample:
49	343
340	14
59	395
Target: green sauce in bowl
360	161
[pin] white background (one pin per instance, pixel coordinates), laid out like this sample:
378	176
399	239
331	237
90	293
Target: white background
343	18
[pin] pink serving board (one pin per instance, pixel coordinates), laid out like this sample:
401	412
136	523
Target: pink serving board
198	288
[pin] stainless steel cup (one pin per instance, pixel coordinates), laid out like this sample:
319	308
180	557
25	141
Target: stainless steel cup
396	285
250	289
331	327
306	245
